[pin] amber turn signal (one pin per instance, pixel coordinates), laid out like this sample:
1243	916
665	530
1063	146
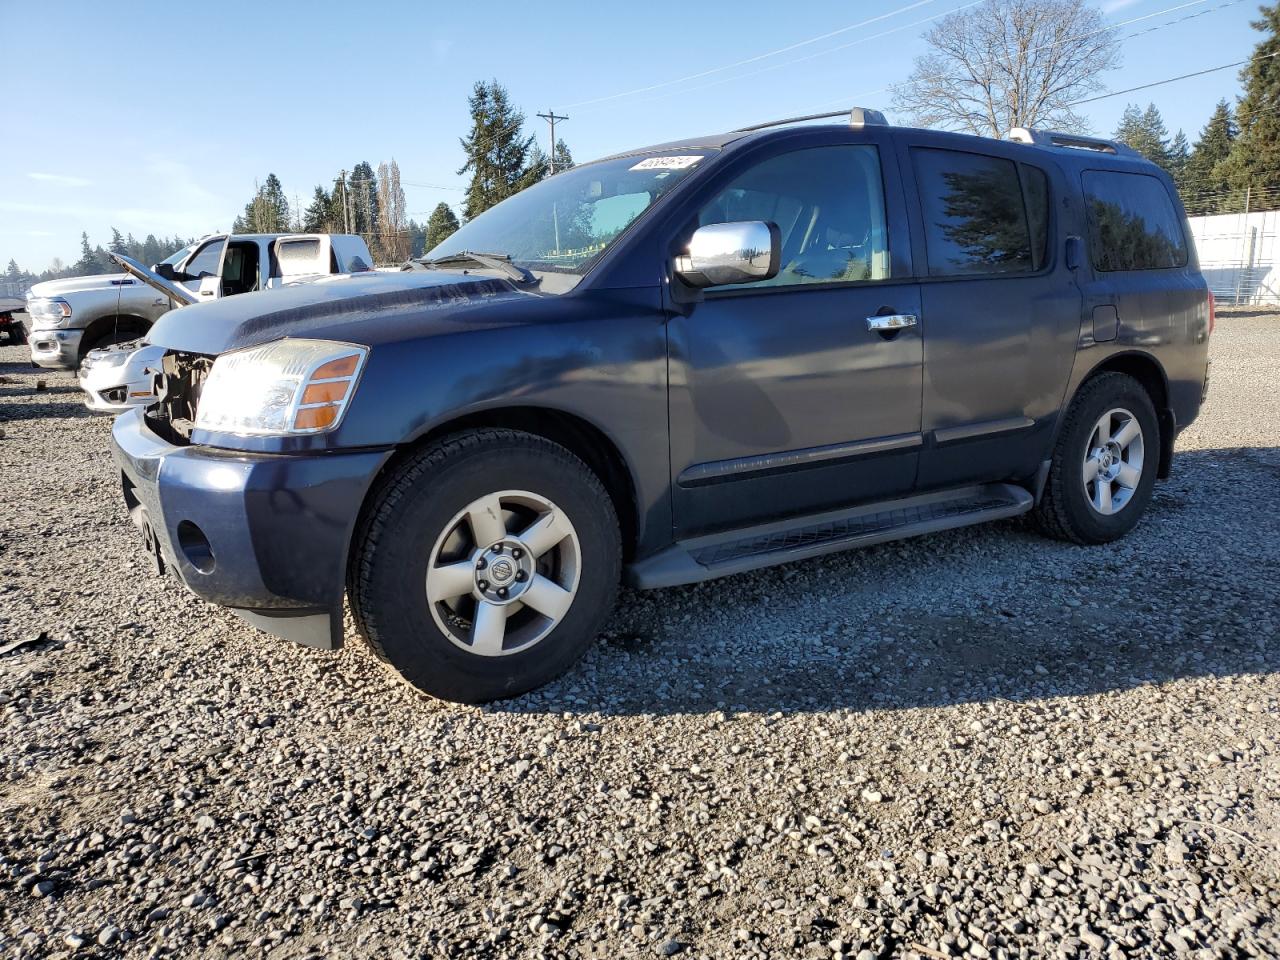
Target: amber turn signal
342	367
330	392
315	418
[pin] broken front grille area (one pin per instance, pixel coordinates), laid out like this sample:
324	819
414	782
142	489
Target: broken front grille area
178	386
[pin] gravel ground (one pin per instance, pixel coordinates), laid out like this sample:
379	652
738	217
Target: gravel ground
980	743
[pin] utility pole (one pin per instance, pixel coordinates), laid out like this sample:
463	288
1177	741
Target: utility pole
551	118
346	212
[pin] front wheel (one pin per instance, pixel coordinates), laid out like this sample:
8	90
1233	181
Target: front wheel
1104	464
486	565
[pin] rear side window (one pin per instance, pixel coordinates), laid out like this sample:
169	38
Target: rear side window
975	219
1132	223
293	253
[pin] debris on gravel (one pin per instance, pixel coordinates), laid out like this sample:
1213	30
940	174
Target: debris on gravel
978	744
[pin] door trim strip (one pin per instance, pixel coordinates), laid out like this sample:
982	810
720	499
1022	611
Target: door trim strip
972	431
719	471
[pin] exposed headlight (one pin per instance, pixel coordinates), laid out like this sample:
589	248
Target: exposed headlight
46	312
284	387
106	358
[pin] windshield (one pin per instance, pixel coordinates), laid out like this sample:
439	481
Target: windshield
564	223
176	258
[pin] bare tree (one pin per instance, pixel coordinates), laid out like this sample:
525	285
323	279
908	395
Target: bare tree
1009	63
394	242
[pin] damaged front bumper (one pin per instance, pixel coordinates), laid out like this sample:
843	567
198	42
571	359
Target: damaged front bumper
264	534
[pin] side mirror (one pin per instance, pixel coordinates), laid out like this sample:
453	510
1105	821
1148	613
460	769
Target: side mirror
741	252
165	270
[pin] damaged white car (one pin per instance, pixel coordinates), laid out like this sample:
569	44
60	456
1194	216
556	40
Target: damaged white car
121	375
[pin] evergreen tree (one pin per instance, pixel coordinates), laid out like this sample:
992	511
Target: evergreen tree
267	212
12	273
316	217
1145	132
1205	184
1254	161
538	168
1179	154
497	149
364	201
442	223
417	238
87	265
564	159
151	252
117	244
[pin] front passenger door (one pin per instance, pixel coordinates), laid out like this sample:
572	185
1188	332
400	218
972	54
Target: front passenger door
783	401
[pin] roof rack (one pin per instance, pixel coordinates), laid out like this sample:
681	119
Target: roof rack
858	117
1070	141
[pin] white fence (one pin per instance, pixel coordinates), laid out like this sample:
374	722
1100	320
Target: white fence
1240	255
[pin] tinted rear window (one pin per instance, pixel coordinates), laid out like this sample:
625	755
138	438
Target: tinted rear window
974	217
1132	222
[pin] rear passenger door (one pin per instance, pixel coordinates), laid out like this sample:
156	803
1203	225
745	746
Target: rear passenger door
1001	307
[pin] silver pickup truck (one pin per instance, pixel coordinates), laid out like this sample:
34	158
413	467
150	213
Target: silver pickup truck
71	317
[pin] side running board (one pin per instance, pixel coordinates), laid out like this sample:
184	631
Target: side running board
798	538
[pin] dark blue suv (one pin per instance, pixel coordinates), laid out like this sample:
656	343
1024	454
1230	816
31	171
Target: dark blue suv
669	365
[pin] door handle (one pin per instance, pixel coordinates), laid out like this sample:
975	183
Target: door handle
891	322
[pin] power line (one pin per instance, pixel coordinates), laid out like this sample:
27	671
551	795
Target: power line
1185	76
754	59
812	56
1047	46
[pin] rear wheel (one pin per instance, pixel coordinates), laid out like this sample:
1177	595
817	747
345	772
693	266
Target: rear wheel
486	566
1104	465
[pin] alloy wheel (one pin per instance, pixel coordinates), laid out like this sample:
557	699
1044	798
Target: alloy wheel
1113	461
503	573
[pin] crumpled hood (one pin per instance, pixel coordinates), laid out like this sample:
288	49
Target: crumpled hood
355	308
104	281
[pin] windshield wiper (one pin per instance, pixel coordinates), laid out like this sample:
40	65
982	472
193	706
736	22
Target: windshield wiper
493	261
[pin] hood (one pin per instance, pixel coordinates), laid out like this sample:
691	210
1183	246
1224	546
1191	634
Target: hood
357	308
59	288
178	295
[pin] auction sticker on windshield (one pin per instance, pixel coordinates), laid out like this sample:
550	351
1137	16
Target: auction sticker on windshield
666	163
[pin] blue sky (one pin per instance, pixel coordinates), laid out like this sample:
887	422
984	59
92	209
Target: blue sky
147	117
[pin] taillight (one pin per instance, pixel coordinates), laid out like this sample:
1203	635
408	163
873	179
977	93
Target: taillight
1213	313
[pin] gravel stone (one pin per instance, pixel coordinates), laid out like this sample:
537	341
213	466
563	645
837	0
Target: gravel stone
975	744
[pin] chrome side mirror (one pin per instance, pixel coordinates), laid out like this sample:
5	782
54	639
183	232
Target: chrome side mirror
740	252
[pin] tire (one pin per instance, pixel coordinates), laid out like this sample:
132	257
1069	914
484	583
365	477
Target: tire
435	511
1078	510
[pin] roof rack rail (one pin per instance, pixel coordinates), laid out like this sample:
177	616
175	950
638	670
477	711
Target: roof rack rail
1070	141
858	117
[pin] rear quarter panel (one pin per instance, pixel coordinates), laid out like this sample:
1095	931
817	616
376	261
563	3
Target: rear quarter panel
1163	314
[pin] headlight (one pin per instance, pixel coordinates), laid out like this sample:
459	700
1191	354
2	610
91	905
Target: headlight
285	387
46	312
105	358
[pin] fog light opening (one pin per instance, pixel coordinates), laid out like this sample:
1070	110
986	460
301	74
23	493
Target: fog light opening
195	546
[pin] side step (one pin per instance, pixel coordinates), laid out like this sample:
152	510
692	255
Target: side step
798	538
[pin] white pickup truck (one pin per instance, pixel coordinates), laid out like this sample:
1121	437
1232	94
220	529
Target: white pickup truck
120	375
71	317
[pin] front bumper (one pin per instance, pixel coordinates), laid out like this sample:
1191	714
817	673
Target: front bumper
117	388
264	534
56	349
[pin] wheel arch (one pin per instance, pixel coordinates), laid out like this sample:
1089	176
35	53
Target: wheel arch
100	326
581	437
1148	371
